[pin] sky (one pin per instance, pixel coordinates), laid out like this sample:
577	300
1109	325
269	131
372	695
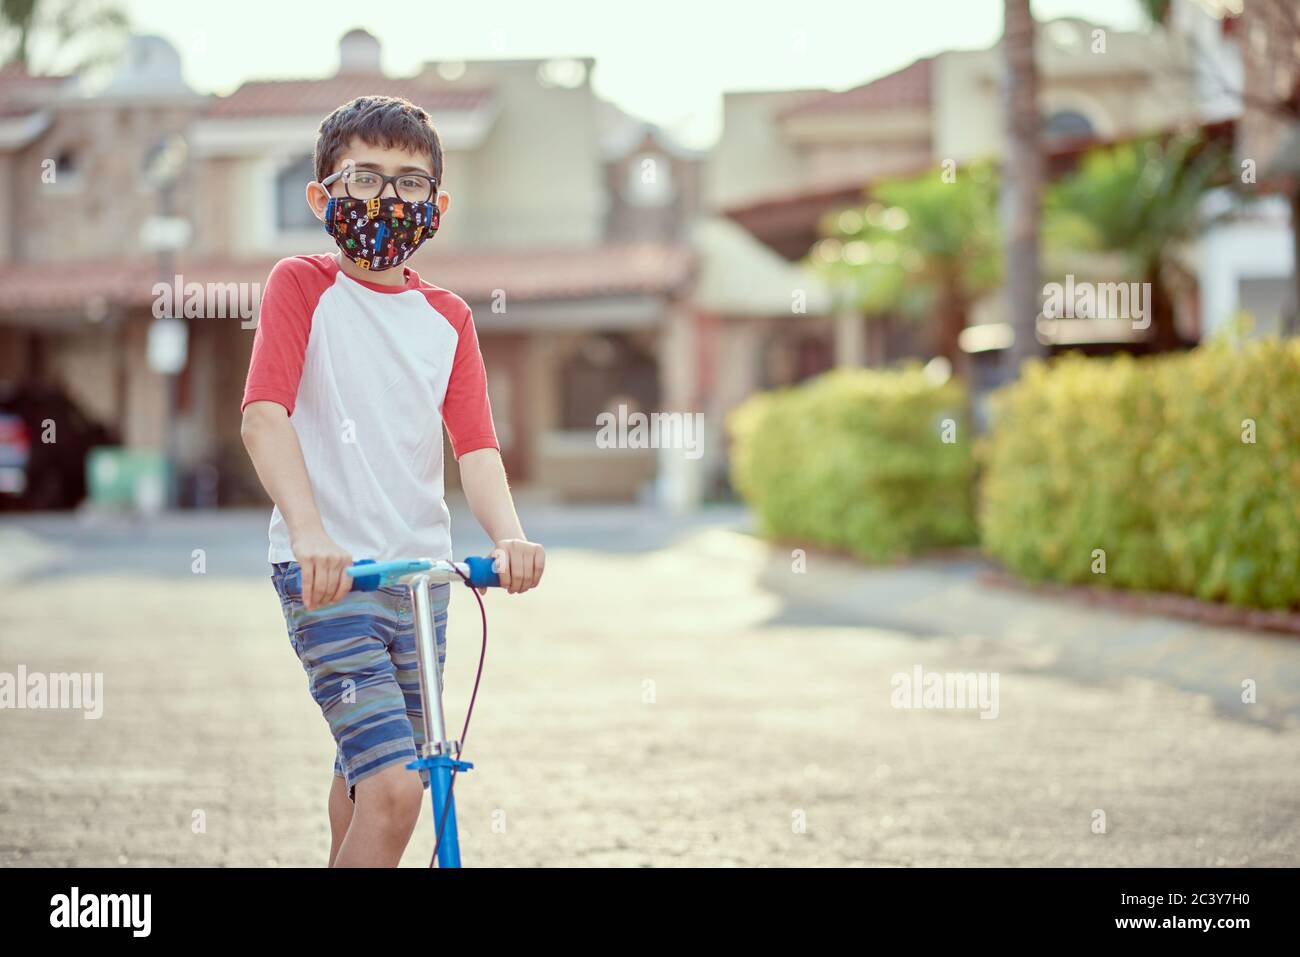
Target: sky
667	61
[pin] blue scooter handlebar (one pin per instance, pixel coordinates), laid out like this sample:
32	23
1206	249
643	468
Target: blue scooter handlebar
369	575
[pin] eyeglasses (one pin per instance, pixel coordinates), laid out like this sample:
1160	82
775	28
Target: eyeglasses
367	184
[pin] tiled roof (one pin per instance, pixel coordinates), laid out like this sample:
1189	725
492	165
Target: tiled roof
905	88
263	98
39	287
789	222
546	274
525	275
22	93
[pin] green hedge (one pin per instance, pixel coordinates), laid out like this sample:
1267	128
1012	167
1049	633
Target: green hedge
856	460
1145	459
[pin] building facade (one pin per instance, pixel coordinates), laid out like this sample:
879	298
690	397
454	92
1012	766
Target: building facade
567	235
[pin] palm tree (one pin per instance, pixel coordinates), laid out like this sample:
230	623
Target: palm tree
922	248
1022	178
91	28
1141	199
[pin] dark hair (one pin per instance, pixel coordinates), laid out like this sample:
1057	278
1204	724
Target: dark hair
385	121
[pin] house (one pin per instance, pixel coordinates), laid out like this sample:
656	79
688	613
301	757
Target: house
567	235
1246	263
76	189
787	161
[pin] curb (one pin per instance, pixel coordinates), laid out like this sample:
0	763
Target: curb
1155	603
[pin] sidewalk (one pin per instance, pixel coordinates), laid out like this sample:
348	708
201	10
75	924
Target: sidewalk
1047	634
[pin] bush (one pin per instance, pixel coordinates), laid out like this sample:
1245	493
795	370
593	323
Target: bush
1150	461
856	460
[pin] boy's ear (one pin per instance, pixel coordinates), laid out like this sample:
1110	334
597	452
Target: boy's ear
318	198
444	200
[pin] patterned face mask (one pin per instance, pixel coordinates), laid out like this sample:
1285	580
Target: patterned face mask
379	234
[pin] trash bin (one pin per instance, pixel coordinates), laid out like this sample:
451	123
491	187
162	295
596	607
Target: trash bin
127	478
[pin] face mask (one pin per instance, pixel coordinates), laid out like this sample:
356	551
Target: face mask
379	233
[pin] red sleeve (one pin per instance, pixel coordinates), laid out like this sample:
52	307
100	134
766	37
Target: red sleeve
466	411
280	343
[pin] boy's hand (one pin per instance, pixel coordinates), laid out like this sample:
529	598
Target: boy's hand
322	562
519	564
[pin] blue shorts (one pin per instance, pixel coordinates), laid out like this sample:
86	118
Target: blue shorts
363	670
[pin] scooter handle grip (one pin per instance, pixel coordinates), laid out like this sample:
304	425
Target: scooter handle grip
482	574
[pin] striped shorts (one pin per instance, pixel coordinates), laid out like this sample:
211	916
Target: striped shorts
363	670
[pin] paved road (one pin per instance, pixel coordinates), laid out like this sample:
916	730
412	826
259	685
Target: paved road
676	694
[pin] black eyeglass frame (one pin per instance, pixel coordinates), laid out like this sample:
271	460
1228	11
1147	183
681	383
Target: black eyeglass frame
385	181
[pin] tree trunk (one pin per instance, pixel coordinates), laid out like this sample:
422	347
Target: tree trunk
1292	320
19	56
953	309
1022	178
1164	334
878	341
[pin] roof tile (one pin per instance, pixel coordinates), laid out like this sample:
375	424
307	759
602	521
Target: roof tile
905	88
263	98
527	275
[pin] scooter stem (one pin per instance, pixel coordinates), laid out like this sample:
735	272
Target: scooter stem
426	643
440	755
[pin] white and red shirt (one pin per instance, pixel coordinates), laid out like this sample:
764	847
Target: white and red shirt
365	371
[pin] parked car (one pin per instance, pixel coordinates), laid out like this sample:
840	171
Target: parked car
44	441
15	451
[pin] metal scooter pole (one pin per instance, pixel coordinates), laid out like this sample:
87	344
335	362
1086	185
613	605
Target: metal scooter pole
438	756
426	643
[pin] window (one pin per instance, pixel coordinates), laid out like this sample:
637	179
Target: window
291	209
606	372
1067	124
565	74
163	163
63	170
1065	36
789	358
67	163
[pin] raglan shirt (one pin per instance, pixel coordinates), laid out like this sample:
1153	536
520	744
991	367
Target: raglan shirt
365	371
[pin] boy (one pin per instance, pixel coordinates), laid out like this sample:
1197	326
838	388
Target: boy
354	358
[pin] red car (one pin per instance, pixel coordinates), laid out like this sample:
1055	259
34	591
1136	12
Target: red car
15	453
36	474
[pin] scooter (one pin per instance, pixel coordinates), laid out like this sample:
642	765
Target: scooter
440	755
